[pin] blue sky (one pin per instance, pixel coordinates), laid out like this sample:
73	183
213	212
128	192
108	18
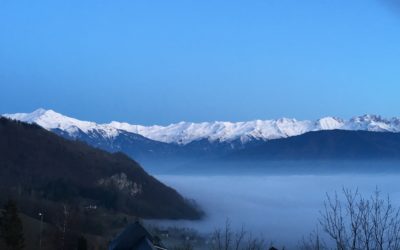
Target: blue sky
166	61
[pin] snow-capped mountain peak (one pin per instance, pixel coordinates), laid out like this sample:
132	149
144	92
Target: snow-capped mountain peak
52	120
186	132
329	123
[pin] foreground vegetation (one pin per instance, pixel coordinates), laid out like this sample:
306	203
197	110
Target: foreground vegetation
347	222
352	222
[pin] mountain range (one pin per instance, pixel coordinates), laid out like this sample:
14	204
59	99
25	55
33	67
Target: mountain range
219	131
183	143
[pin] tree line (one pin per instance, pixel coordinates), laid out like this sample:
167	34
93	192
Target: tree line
12	231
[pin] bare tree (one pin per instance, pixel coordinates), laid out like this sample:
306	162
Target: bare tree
239	237
332	221
221	238
227	239
62	225
313	241
354	222
254	243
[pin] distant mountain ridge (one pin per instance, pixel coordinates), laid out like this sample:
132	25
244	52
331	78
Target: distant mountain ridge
326	145
183	133
183	146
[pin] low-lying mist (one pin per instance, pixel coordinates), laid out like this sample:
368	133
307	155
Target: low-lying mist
282	208
277	167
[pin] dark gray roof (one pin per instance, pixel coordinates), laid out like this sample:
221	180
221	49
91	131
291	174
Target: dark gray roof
133	237
144	244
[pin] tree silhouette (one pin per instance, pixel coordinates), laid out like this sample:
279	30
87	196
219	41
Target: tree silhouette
82	243
11	230
353	222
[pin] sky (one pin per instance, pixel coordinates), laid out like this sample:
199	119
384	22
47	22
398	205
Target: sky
158	62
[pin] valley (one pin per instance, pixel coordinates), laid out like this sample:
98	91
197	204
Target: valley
282	209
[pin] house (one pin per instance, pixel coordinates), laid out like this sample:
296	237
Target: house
136	237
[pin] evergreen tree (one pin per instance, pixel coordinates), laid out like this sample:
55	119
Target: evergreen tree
82	243
11	230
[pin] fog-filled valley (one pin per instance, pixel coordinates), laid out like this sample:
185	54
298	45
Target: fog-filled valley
280	206
274	189
278	167
199	125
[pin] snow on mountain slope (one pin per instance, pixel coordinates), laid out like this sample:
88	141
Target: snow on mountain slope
186	132
51	120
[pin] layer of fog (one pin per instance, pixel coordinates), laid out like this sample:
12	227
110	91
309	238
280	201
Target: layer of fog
281	208
284	167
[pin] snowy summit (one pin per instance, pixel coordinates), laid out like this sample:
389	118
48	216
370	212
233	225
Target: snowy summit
186	132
